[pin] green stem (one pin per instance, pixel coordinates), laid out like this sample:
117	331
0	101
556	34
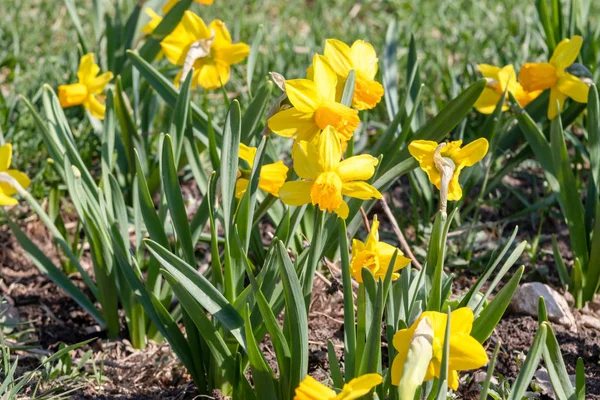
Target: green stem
313	257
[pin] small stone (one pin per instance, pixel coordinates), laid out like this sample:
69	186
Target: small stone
526	299
590	322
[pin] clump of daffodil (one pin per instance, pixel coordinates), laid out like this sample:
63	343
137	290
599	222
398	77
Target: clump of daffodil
314	107
325	179
311	389
272	176
375	255
498	80
445	161
466	353
6	189
86	91
171	3
552	75
361	58
209	50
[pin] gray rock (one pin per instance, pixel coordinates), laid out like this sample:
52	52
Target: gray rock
526	298
590	322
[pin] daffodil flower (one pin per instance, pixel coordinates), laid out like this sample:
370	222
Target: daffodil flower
314	107
498	80
311	389
171	3
86	91
552	75
361	58
6	190
272	176
213	70
466	353
424	151
325	178
375	255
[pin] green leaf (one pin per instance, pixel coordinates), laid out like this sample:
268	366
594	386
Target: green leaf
390	69
334	366
262	375
490	372
563	273
72	9
580	379
253	56
443	386
349	317
544	15
129	132
254	113
530	365
593	130
348	93
557	371
179	122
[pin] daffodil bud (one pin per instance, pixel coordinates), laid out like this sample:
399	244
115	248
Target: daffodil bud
417	361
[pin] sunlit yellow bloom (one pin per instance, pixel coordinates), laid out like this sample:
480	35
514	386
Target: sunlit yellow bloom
6	190
423	151
272	176
86	91
361	58
465	352
552	75
325	178
212	71
155	19
311	389
314	107
167	7
375	255
498	79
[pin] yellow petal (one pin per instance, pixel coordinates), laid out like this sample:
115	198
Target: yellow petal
357	168
557	100
205	2
338	55
6	200
462	321
222	36
401	343
367	92
330	150
96	108
471	153
292	123
506	75
342	211
303	94
452	379
97	84
232	53
465	352
360	190
304	166
327	191
537	76
167	7
386	252
364	58
20	177
311	389
359	387
454	188
177	44
344	119
87	68
247	154
272	177
566	52
72	95
422	151
524	97
155	20
213	76
324	77
489	71
488	100
240	187
5	156
574	88
296	193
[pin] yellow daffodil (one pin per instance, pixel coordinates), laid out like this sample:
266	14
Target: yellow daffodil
424	151
6	190
311	389
375	255
272	176
314	107
465	352
361	58
552	75
498	80
325	178
212	70
86	91
167	7
155	20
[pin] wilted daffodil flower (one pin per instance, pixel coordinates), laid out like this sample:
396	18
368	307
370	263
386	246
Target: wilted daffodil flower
272	176
361	58
208	50
552	75
465	352
498	80
6	190
432	158
171	3
314	107
325	179
311	389
86	91
375	255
